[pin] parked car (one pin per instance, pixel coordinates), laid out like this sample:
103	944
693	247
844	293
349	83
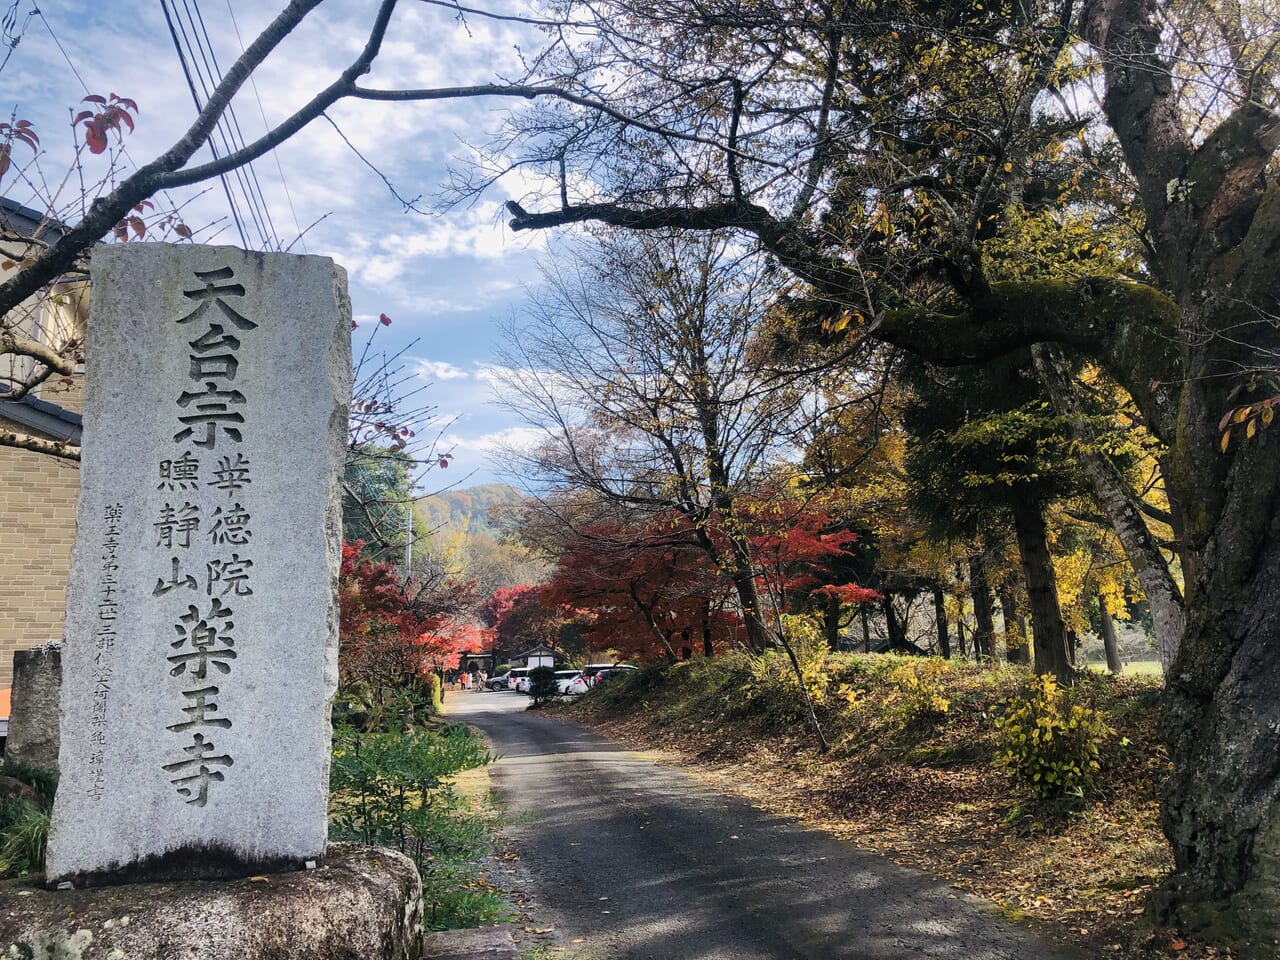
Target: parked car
570	682
614	671
516	677
591	669
501	681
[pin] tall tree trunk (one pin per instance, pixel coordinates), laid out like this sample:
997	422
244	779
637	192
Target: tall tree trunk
940	619
896	630
1017	646
742	572
1117	500
708	648
960	639
866	628
1108	630
1042	589
831	621
984	635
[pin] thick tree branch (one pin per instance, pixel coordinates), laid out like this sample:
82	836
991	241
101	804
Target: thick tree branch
10	342
1130	329
1116	497
106	211
1140	101
52	448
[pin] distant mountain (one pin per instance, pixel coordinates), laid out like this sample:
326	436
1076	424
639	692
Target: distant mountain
465	510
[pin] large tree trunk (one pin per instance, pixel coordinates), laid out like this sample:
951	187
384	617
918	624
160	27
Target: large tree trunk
896	630
1108	630
1017	646
1042	589
831	621
984	636
940	619
1222	715
1117	500
866	628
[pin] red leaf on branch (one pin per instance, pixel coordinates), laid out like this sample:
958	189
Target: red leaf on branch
444	464
95	98
95	137
384	320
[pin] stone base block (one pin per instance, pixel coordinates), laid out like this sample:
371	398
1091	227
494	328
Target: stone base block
483	943
363	903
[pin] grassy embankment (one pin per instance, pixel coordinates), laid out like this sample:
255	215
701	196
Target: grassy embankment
912	774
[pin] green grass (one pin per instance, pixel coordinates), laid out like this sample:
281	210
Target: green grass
1135	668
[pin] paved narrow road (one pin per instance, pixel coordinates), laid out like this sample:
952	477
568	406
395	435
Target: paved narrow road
644	863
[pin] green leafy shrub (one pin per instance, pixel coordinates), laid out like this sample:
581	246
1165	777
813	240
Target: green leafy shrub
918	693
1050	744
24	835
542	685
24	819
773	688
392	788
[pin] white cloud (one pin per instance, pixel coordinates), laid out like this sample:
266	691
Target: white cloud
438	370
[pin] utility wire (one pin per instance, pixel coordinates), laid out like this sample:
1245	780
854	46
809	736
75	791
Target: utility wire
297	226
245	175
12	32
226	187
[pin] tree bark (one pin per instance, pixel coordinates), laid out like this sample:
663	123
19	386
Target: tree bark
866	628
1042	590
940	619
897	632
1108	630
1017	646
831	621
1117	500
984	635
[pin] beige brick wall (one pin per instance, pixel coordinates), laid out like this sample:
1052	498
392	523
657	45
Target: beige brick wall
37	526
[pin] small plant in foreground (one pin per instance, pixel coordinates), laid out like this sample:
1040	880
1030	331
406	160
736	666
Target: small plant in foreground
917	693
542	685
1050	744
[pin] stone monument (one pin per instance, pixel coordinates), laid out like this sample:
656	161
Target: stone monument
200	649
33	721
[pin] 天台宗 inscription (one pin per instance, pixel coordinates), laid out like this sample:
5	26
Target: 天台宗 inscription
201	616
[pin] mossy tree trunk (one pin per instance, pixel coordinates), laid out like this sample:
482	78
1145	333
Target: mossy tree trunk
1042	589
984	635
1107	628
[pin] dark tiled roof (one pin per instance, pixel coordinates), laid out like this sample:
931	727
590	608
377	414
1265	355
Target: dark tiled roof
43	417
24	220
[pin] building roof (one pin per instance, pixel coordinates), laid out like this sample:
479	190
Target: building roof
25	220
42	417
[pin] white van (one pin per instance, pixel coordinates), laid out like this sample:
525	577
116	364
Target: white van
518	679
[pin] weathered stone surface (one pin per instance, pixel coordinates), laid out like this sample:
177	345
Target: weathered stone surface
33	720
482	943
201	637
362	904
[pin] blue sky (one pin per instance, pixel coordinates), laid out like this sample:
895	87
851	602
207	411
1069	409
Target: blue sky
446	279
